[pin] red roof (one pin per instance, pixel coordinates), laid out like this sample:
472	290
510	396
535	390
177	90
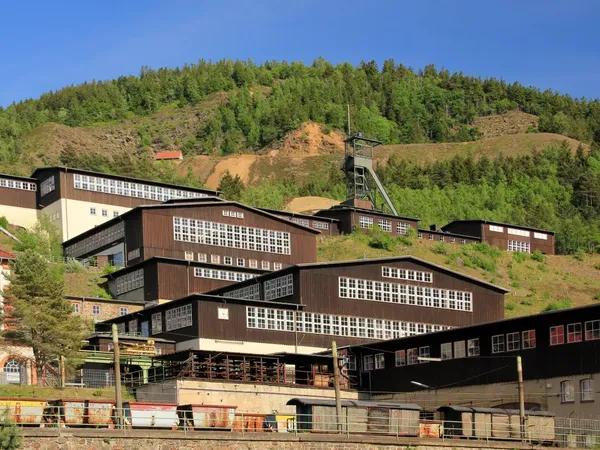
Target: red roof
6	255
169	155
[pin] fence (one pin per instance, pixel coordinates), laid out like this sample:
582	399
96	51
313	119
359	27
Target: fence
561	432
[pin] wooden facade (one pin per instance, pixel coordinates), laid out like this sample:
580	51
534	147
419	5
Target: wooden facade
500	234
326	225
445	237
149	231
307	298
350	220
170	279
18	191
564	343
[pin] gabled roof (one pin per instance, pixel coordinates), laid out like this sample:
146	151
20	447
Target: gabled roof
187	204
491	222
6	255
18	177
366	211
356	262
307	216
448	233
175	154
120	177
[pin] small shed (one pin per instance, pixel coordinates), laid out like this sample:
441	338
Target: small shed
169	156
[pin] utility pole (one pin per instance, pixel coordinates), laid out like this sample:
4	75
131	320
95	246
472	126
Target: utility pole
117	361
521	398
336	384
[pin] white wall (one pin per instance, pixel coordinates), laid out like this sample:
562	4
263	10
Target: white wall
255	348
16	215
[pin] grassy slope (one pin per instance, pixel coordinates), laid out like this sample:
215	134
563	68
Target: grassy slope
533	285
54	393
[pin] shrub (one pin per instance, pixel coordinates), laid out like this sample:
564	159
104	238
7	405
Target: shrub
597	266
4	222
404	240
10	435
520	257
579	255
542	267
380	239
555	305
108	269
538	256
440	249
597	296
515	284
488	250
74	266
526	303
510	307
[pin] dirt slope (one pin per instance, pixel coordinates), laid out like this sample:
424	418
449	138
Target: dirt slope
512	122
309	205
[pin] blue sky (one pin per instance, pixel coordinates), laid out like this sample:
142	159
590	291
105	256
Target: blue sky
548	44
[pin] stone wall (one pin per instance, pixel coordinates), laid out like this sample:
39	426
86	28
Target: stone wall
41	439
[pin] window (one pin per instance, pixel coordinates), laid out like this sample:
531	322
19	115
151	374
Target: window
180	317
402	228
123	311
592	330
47	186
235	214
299	221
246	293
277	266
320	225
130	281
497	228
463	241
430	237
537	235
365	222
424	353
519	246
567	392
420	235
498	343
473	347
446	351
105	213
253	263
227	260
231	236
100	239
279	287
513	341
215	259
385	225
452	240
121	328
529	339
265	265
75	308
202	257
412	356
557	335
379	361
133	254
459	349
368	363
241	262
95	310
517	232
400	358
350	362
226	275
441	238
574	333
189	256
133	326
92	211
115	214
404	274
587	390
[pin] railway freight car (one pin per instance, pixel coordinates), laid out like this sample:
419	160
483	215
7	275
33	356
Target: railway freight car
496	423
319	415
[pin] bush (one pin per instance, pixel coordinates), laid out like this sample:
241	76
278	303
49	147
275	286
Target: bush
74	266
515	284
520	257
597	266
10	435
579	255
404	240
4	222
563	303
488	250
510	307
440	249
542	267
526	303
380	239
108	269
597	296
538	256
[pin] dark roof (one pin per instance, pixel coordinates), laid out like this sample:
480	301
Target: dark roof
18	177
187	204
351	403
125	337
103	300
491	222
120	177
360	137
374	212
165	259
196	200
514	412
448	233
6	255
292	214
364	261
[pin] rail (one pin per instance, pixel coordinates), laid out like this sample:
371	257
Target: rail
59	415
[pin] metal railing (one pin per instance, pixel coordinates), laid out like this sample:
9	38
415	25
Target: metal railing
61	415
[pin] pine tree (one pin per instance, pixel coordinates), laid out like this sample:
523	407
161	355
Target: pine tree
39	315
231	187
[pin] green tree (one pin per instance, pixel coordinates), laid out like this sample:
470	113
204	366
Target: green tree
40	317
10	435
231	187
43	238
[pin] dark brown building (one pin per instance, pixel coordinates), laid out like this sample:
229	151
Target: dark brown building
161	279
18	200
208	231
326	225
513	238
302	308
362	219
78	200
437	235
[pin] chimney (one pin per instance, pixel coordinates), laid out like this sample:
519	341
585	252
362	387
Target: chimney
433	227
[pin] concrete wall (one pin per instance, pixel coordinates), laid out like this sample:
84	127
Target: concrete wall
545	392
255	348
248	397
16	215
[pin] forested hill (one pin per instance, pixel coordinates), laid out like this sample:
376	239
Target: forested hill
265	102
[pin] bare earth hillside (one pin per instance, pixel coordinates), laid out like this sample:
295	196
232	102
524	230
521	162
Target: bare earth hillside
512	122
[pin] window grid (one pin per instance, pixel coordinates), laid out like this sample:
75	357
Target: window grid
473	347
95	309
513	341
17	184
529	340
47	186
97	240
300	221
368	363
516	232
180	317
123	311
228	275
315	323
400	358
365	222
279	287
567	392
557	335
133	254
232	236
130	281
543	236
379	361
234	214
424	353
592	330
574	333
498	343
404	294
130	189
446	350
320	225
404	274
402	228
412	357
519	246
587	390
385	225
251	292
459	349
156	323
497	228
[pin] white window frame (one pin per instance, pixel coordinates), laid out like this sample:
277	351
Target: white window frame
496	228
446	350
92	211
538	235
529	339
123	311
385	225
402	227
517	232
580	332
189	256
368	363
592	330
513	341
279	287
473	348
241	262
202	257
379	361
498	344
400	358
179	317
96	310
567	391
365	222
265	265
519	246
560	336
460	350
586	389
